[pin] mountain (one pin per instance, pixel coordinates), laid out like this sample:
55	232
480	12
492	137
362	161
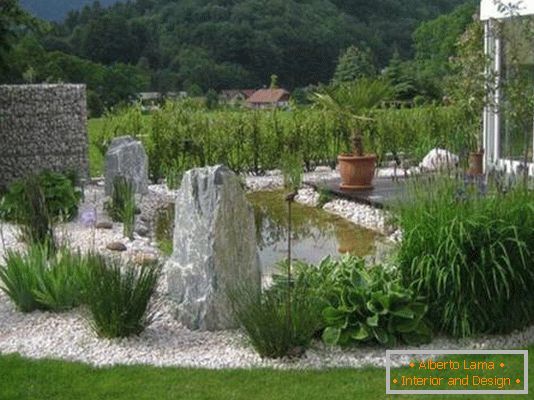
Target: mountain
240	43
57	10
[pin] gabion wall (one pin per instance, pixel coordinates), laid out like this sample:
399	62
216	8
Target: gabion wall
42	127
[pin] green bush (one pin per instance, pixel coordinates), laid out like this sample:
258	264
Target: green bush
60	197
40	279
361	304
119	295
469	251
274	329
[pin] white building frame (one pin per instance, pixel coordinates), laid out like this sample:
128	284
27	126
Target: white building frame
489	14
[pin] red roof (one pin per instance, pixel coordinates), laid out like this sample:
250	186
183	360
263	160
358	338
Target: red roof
269	96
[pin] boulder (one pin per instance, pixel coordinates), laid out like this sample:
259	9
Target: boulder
438	160
127	157
214	248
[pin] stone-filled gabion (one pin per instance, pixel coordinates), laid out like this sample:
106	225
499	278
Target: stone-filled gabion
42	127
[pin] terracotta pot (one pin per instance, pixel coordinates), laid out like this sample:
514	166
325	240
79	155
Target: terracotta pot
357	172
476	163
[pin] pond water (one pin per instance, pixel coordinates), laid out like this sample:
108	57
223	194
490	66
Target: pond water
316	233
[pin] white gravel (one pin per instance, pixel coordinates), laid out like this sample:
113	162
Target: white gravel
165	342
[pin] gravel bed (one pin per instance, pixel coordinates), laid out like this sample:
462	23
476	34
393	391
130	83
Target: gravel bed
166	342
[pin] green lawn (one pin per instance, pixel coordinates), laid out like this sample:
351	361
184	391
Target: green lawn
24	379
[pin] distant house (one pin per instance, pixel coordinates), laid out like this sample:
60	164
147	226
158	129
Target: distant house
235	96
268	98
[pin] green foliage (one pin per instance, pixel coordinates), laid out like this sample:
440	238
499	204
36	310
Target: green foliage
40	279
291	167
60	197
180	137
118	297
122	206
164	229
361	304
238	44
325	196
274	329
354	64
435	43
470	254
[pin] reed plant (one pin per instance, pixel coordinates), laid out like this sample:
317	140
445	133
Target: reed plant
467	248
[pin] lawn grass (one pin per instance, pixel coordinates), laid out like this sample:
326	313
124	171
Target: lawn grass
25	379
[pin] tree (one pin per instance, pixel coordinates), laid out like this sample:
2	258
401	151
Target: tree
13	20
401	78
435	42
353	64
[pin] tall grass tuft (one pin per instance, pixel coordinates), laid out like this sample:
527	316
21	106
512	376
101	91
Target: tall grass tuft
264	318
122	206
45	280
469	251
119	295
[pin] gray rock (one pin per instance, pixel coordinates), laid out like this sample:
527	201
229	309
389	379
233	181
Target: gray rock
116	246
142	230
127	157
214	248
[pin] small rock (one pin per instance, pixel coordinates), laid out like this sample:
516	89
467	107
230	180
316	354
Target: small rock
144	258
142	230
104	225
116	246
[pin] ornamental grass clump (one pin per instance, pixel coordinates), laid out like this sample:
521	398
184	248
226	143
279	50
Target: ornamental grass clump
274	330
119	296
43	280
469	250
122	206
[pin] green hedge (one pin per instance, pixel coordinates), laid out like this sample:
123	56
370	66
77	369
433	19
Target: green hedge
179	137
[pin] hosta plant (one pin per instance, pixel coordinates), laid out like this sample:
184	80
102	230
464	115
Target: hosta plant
361	304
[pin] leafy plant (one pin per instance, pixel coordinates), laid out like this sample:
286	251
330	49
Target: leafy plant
60	197
119	296
264	317
354	101
362	304
468	250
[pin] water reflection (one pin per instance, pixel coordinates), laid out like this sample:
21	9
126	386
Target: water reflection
316	233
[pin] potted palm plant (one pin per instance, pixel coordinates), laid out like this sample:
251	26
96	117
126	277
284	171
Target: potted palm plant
355	101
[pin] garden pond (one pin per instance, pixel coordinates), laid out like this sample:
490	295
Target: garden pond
315	232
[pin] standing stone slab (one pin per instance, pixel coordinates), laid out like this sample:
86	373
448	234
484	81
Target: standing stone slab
214	247
127	157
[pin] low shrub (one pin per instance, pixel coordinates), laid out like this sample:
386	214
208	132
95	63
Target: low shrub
118	296
468	250
361	304
40	279
274	329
